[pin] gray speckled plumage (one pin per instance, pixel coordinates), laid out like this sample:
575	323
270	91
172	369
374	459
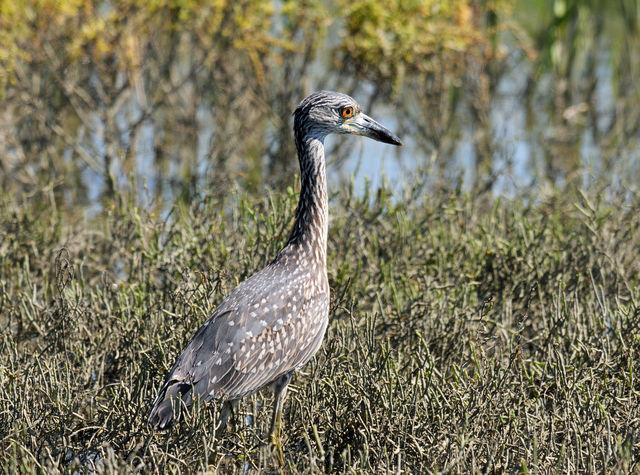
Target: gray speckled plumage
273	322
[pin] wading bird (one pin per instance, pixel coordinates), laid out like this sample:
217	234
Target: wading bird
273	322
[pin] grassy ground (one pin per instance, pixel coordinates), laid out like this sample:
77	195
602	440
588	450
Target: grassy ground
467	334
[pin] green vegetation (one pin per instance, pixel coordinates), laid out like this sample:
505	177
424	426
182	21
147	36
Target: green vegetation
484	317
115	86
467	334
195	94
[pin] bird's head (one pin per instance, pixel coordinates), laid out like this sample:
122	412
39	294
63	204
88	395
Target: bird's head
326	112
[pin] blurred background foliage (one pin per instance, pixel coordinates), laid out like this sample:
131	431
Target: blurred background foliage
176	96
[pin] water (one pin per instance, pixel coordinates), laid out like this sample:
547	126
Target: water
533	139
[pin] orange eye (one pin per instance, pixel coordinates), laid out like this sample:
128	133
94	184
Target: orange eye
346	112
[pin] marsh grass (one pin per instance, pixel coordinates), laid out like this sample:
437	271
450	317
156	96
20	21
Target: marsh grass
468	334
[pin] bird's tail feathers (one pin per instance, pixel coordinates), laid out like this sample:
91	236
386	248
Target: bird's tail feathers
172	399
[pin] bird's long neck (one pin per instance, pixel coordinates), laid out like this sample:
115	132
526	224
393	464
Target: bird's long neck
310	227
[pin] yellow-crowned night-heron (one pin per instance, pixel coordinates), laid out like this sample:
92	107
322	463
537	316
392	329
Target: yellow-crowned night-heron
273	322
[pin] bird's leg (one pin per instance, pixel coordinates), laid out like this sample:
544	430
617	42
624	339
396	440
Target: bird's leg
279	392
228	411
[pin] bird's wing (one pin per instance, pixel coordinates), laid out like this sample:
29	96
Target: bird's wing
257	334
277	350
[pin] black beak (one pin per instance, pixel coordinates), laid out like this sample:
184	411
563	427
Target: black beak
364	125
